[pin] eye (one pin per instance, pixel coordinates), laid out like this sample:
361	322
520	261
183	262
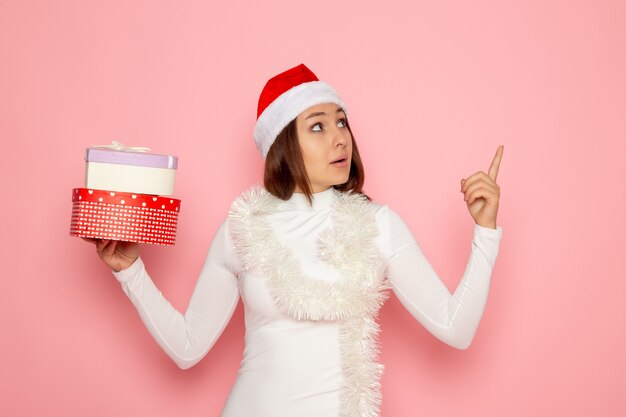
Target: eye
313	128
343	122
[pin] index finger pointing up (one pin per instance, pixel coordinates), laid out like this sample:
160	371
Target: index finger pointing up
495	164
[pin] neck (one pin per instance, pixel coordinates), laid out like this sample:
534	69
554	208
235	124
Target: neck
321	200
314	190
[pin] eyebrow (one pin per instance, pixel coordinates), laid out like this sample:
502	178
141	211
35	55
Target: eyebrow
321	113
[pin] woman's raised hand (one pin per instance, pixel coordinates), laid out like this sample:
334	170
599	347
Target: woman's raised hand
118	255
482	194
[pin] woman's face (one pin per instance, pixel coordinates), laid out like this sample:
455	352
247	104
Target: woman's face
326	145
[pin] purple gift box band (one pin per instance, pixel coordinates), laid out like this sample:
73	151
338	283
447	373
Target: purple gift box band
143	159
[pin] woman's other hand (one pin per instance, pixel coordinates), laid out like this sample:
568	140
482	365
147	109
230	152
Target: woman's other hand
118	255
482	194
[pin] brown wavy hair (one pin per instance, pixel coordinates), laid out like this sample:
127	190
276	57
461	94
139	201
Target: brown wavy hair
284	167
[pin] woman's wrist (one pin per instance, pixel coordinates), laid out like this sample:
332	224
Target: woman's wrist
488	225
125	265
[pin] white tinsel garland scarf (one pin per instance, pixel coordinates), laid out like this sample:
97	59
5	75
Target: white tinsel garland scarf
354	299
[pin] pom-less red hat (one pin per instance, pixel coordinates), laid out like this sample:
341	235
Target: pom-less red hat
284	97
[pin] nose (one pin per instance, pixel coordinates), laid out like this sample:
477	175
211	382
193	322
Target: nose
341	136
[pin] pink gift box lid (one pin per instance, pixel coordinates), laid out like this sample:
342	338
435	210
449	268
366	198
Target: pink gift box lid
145	159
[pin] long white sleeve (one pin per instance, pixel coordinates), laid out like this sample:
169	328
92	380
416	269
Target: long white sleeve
187	338
452	318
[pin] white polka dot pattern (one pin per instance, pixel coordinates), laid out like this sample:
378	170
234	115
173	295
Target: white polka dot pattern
129	217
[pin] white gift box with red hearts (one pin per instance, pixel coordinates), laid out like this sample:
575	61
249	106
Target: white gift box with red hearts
129	169
124	216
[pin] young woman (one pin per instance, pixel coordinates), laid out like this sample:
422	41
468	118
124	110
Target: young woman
313	260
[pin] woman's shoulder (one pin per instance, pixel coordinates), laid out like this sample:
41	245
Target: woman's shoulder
381	209
389	219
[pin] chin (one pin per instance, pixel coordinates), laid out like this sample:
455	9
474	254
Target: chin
341	181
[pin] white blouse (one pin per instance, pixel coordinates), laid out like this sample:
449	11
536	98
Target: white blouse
291	367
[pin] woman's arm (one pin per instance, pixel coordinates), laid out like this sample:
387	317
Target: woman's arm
452	318
187	338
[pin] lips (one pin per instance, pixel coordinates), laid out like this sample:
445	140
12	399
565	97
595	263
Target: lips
340	159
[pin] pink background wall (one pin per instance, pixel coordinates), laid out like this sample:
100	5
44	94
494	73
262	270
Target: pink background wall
433	89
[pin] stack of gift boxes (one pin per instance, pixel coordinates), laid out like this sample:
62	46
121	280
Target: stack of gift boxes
126	196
